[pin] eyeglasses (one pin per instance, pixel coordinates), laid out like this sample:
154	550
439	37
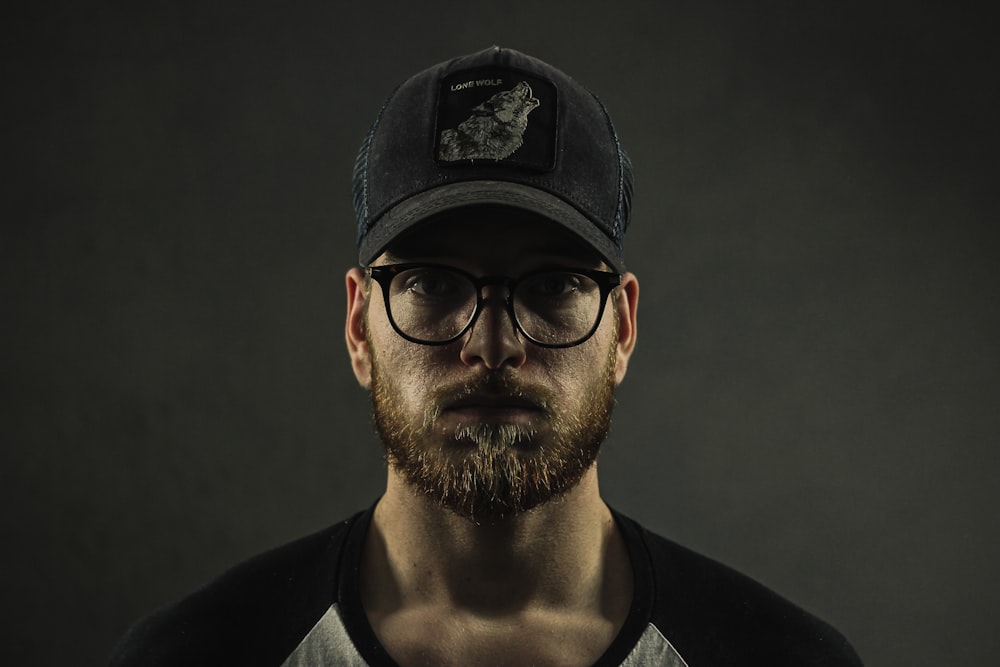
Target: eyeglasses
433	304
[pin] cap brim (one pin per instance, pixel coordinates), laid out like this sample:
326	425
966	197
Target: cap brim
422	206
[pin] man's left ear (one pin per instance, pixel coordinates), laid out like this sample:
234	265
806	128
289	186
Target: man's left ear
627	303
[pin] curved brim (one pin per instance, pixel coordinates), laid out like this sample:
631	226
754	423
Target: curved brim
419	207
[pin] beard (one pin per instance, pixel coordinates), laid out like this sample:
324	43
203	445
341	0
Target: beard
486	472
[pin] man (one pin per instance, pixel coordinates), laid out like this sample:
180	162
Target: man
491	320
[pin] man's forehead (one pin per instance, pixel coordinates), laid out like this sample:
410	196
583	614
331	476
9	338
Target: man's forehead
496	232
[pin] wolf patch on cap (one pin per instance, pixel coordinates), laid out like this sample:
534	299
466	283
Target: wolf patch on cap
494	130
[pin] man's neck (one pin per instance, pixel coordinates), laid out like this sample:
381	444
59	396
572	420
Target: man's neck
551	586
561	554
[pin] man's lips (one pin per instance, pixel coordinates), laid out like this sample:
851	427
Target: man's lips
493	402
493	406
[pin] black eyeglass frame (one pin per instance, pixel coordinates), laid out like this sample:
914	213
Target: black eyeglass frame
606	282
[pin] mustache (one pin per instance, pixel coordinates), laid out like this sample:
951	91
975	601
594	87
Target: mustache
496	386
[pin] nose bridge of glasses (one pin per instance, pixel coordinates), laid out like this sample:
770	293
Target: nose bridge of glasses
494	297
494	289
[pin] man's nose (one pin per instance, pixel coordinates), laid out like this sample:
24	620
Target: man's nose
493	339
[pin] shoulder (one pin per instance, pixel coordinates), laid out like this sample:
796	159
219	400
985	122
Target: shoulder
254	614
714	615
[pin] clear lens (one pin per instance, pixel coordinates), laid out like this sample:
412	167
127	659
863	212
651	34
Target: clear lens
432	303
557	307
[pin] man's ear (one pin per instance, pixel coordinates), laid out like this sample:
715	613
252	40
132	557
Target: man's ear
354	330
627	304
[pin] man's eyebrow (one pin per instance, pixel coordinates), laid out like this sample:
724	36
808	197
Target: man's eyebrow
389	257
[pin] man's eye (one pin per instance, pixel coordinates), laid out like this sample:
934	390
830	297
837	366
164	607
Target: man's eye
429	283
553	284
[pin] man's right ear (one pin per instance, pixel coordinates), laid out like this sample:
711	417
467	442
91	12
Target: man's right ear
354	330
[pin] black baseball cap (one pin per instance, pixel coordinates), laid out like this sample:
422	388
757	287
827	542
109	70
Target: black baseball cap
493	127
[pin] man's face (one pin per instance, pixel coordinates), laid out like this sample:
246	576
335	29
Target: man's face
491	425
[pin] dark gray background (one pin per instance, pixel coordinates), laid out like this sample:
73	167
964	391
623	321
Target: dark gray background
814	395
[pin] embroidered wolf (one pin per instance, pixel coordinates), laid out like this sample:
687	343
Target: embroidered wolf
494	130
